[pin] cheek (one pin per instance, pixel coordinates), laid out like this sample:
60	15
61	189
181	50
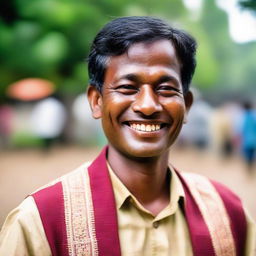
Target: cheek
176	108
116	105
113	108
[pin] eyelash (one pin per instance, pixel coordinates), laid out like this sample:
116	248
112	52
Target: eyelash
165	90
168	88
126	89
127	86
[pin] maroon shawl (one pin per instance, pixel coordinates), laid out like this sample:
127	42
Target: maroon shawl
50	205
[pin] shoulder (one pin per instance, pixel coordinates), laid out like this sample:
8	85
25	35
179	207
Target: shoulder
23	231
213	193
52	198
58	204
206	185
222	210
217	199
24	213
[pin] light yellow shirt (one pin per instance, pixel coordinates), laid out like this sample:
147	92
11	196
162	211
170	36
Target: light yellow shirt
22	233
140	232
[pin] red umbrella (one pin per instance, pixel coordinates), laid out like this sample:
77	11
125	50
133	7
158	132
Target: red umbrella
30	89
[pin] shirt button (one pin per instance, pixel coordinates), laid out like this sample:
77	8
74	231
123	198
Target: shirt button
156	224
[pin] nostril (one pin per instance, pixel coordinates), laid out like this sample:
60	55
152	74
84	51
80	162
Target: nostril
146	101
147	107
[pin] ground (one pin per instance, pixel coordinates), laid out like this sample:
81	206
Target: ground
21	172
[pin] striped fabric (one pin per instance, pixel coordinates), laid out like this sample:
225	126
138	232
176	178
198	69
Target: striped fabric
79	215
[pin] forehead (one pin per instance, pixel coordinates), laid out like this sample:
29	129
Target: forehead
153	52
145	56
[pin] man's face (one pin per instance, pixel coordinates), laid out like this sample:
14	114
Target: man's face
142	105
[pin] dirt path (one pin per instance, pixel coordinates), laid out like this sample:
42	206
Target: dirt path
21	172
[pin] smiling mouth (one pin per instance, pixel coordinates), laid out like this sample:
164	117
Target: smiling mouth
145	127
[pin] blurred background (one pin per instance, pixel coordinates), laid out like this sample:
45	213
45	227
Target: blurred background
46	127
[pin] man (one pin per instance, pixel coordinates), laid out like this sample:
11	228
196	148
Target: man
130	201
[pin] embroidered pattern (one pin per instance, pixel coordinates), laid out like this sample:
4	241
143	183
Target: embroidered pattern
79	216
214	214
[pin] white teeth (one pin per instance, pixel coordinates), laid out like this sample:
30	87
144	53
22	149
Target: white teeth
145	127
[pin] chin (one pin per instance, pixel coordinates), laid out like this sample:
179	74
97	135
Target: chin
145	151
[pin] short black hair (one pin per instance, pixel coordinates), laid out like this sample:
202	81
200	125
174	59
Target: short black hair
118	35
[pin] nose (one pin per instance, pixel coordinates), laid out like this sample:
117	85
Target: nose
146	101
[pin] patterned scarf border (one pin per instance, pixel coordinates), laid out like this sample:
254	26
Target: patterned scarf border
79	214
214	214
104	207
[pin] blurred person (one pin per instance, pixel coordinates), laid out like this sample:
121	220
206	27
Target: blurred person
47	120
197	131
86	129
235	113
6	117
130	200
248	134
221	128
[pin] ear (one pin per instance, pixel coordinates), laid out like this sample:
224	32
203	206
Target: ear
188	97
95	101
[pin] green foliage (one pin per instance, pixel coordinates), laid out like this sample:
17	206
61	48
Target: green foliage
248	5
51	49
207	70
25	140
51	39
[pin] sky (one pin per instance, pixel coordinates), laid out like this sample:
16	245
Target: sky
242	24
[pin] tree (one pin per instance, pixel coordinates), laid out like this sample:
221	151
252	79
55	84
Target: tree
248	4
51	38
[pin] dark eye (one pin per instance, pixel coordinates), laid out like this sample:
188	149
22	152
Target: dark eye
167	90
127	89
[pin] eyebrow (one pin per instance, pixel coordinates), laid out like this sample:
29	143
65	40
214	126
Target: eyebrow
131	77
166	78
135	78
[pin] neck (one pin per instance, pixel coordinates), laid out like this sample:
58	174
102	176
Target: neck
146	178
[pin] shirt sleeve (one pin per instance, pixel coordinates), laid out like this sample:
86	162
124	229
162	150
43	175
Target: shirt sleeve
23	233
250	249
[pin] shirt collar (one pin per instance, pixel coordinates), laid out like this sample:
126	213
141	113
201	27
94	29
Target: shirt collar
122	193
